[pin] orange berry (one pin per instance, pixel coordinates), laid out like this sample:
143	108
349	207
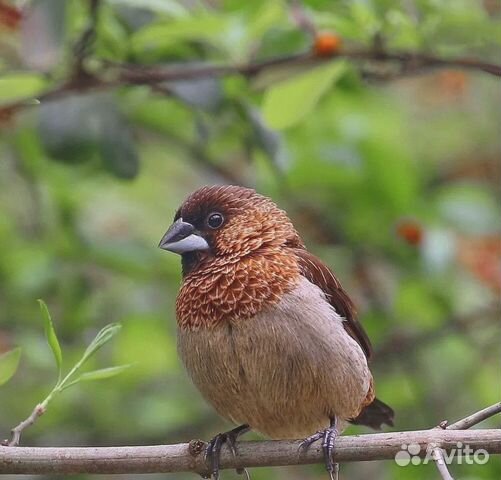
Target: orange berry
410	231
327	44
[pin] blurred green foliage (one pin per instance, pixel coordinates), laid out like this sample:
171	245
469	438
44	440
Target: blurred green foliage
395	184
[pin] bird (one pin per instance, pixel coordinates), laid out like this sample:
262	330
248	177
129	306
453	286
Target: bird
264	328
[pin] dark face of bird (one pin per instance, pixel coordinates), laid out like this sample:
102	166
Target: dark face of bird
226	222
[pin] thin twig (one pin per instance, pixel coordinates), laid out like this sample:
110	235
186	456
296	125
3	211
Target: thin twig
117	74
38	411
463	424
82	47
301	18
475	418
416	60
135	74
438	457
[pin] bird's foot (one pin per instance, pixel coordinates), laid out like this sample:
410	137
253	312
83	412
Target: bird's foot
328	436
213	450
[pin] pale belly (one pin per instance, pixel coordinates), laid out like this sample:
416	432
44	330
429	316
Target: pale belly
284	373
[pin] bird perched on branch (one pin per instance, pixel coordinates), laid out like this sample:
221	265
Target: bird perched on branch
265	330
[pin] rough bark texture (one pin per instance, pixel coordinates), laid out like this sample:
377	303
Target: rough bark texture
189	456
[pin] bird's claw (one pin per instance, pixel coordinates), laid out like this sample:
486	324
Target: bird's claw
213	453
308	441
213	450
328	437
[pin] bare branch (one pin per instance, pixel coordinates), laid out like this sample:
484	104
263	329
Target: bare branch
465	423
114	74
83	45
413	60
190	457
38	411
438	457
301	18
476	418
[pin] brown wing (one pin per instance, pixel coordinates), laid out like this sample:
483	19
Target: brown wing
320	275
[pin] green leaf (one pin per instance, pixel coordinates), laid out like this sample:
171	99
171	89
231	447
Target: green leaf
169	7
51	336
20	85
100	374
8	364
69	127
103	373
285	104
103	337
116	146
165	34
270	15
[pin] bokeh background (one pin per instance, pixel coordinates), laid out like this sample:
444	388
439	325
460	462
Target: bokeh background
391	175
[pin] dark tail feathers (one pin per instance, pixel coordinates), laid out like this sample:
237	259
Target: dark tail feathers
375	415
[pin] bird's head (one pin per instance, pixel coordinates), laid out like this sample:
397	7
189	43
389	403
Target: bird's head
226	222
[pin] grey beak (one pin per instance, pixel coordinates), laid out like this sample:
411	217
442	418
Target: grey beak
180	238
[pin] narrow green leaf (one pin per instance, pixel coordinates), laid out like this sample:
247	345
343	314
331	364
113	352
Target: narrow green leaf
8	364
51	336
166	34
169	7
20	85
103	337
100	374
269	16
103	373
286	103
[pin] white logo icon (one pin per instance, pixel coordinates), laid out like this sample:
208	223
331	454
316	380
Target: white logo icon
408	454
412	454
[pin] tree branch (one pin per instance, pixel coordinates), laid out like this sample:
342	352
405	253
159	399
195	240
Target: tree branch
475	418
82	47
465	423
116	74
414	60
438	457
38	411
189	457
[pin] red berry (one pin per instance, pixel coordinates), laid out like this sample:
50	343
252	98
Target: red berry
327	44
410	231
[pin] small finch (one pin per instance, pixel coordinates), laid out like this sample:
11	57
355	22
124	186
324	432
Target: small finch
265	330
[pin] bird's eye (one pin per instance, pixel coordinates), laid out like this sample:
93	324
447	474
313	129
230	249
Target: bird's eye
215	220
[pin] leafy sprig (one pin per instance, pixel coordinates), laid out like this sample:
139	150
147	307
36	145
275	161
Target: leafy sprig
10	360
